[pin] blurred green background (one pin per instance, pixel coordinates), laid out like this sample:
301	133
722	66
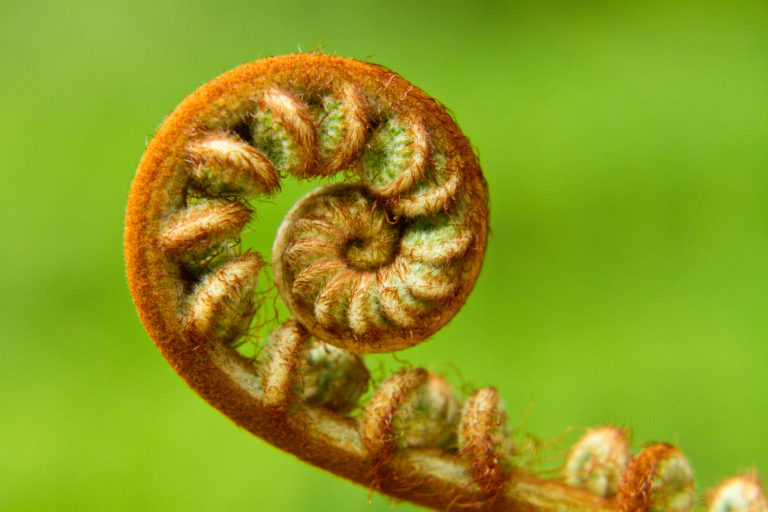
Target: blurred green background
625	282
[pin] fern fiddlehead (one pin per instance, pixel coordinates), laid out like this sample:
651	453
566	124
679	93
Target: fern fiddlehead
378	263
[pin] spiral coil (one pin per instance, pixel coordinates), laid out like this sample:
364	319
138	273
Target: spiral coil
375	265
378	263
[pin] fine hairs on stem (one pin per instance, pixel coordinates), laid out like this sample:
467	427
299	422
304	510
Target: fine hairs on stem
377	263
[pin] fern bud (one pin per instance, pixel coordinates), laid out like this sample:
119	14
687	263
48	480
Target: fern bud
739	494
658	479
332	377
598	460
429	415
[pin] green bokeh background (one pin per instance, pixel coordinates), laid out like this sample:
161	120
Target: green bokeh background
625	282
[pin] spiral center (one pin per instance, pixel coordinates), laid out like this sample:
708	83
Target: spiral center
371	252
